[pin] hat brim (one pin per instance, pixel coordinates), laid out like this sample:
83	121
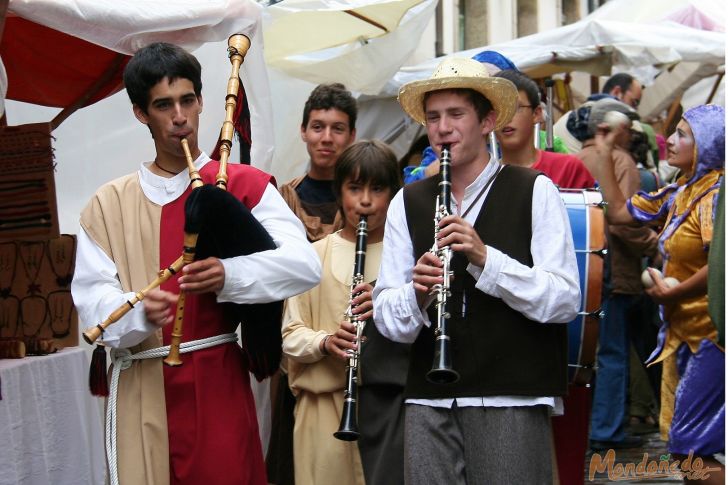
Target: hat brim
501	93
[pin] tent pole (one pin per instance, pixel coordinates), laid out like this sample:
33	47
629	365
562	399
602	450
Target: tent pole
671	114
92	91
715	88
594	84
367	20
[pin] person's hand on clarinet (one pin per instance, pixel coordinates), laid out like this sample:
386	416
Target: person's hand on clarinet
362	304
460	235
426	274
339	342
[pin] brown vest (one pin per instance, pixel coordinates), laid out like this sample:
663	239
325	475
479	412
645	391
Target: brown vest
496	350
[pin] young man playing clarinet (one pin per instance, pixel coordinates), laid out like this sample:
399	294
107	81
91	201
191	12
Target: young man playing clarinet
195	423
514	285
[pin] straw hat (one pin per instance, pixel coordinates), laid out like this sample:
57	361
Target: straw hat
455	73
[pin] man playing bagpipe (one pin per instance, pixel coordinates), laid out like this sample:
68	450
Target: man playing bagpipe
194	423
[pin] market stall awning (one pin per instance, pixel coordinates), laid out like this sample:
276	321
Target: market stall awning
71	53
360	43
50	68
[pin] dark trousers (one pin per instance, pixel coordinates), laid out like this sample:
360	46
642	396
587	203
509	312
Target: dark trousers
477	445
279	460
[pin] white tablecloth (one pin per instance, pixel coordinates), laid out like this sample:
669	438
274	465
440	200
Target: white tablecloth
50	424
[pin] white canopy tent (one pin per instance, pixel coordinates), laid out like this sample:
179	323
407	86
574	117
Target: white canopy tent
593	46
363	60
698	14
688	81
596	47
360	43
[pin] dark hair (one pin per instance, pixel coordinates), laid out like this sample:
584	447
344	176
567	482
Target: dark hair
523	83
481	104
331	96
639	147
367	161
155	62
621	79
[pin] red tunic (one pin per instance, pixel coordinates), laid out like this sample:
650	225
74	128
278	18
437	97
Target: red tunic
566	171
212	425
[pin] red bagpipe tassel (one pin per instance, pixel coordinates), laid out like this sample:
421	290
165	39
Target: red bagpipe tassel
97	380
241	125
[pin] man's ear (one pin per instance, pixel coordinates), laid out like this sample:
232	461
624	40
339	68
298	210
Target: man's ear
538	114
488	123
140	114
199	100
303	134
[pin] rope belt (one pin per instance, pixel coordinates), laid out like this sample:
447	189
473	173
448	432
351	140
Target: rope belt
122	359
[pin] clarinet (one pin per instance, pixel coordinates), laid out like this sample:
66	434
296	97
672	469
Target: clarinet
442	371
349	429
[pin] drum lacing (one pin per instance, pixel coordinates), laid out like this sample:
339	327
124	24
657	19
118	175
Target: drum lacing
122	359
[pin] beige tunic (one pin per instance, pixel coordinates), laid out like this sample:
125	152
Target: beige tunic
316	380
142	442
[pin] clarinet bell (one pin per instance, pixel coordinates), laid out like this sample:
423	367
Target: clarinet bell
443	376
442	371
348	429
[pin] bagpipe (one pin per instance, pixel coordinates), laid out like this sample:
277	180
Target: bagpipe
219	225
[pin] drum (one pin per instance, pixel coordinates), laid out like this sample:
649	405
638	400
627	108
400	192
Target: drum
586	218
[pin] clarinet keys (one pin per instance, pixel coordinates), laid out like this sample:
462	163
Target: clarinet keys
349	428
442	371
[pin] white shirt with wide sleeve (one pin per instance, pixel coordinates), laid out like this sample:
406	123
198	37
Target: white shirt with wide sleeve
292	268
547	292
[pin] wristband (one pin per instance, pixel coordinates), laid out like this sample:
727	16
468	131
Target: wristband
324	350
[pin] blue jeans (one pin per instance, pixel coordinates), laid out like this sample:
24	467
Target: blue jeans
612	381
